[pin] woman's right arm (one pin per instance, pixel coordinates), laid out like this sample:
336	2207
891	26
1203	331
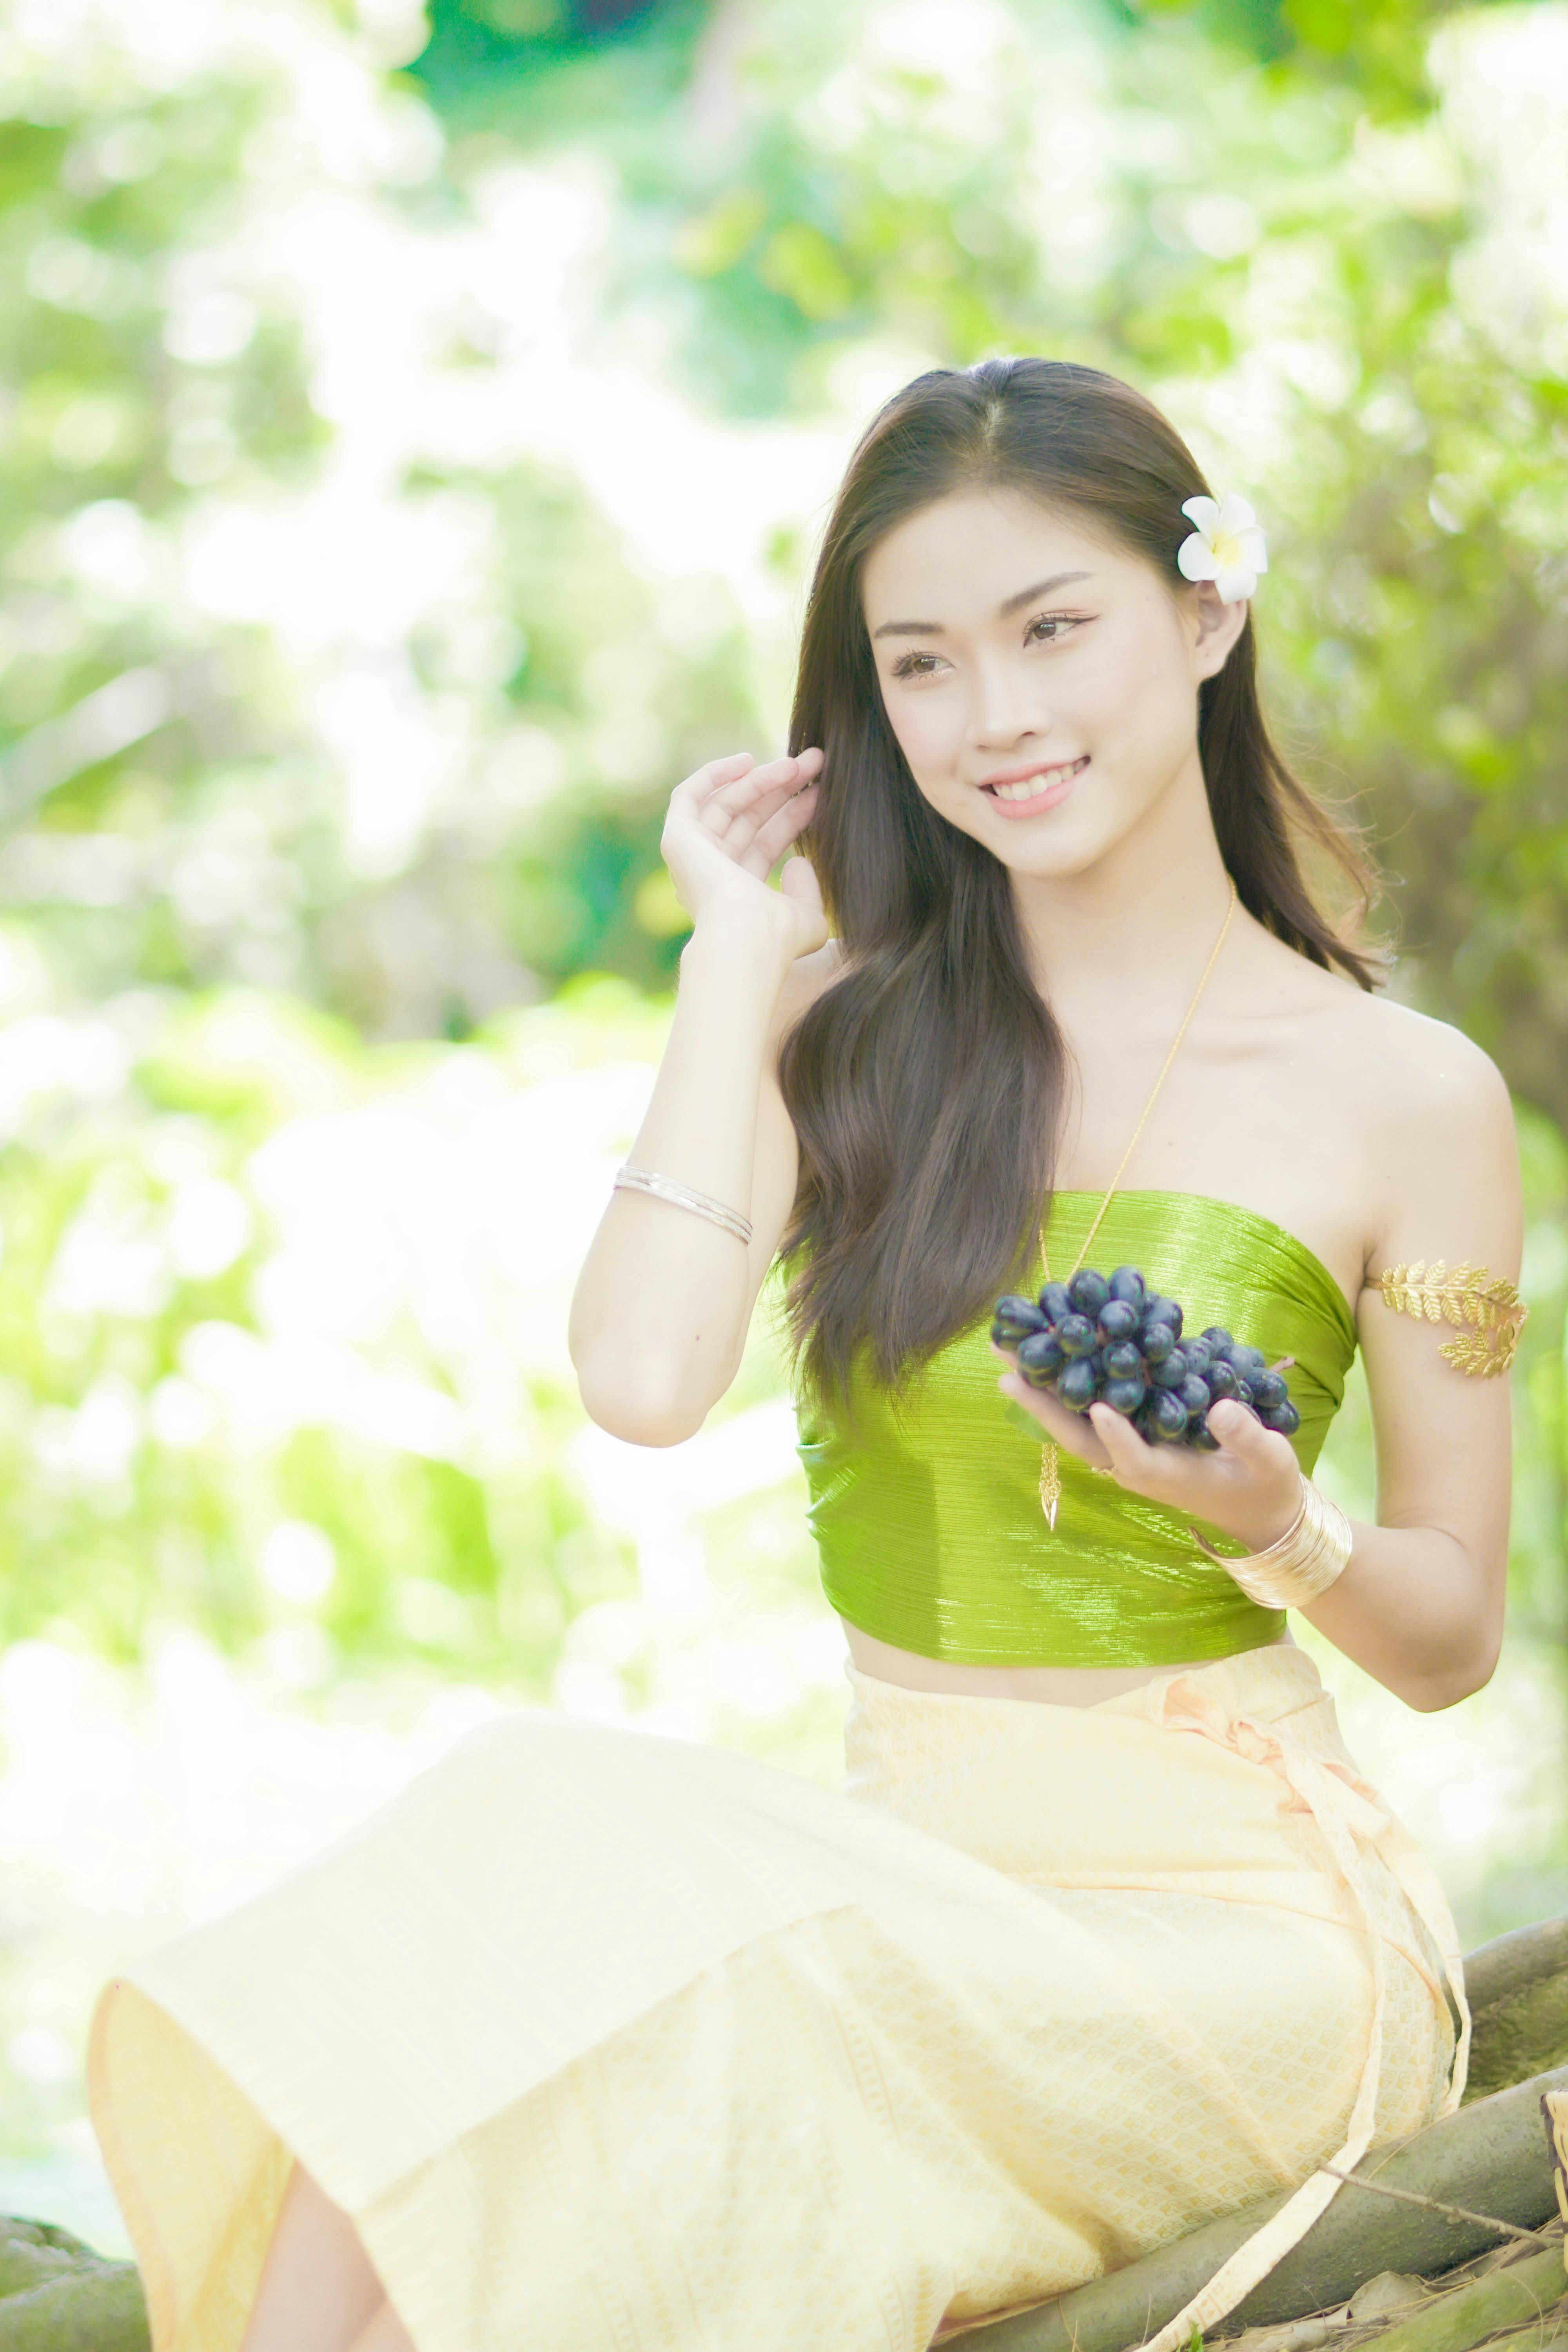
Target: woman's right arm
664	1301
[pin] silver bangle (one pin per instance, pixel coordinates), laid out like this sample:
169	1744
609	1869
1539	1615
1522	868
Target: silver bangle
681	1196
1303	1563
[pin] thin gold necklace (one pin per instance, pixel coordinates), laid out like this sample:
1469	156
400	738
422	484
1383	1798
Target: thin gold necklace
1050	1460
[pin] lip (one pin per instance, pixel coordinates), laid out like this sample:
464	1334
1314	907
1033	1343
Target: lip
1066	776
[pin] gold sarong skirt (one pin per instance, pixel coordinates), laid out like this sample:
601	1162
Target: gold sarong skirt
614	2042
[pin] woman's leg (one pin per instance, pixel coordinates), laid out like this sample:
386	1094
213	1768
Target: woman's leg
318	2290
385	2333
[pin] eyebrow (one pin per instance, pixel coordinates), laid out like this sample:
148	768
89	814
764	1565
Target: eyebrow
1024	596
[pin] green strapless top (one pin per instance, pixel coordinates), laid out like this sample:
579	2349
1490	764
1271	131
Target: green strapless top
929	1524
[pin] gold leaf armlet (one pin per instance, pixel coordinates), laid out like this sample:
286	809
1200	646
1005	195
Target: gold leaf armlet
1489	1316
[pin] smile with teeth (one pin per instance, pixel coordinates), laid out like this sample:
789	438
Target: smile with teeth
1041	781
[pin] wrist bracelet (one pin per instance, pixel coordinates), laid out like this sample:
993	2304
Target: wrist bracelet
1306	1559
681	1196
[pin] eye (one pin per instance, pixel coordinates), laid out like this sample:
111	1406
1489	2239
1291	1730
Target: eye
907	665
1057	624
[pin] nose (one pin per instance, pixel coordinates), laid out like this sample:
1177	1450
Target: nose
1004	706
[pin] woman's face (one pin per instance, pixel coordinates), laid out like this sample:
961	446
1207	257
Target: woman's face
1042	684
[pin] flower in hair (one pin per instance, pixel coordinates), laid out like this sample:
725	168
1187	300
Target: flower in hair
1228	546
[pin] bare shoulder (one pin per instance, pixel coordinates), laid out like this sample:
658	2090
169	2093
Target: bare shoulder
1438	1150
1389	1065
1393	1132
1427	1076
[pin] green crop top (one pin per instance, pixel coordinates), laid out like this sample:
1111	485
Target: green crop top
928	1526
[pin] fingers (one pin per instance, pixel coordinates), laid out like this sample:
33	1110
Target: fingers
742	800
1250	1489
1261	1467
741	825
724	770
737	811
712	777
736	786
1165	1473
797	879
774	833
1128	1455
757	835
1072	1430
1243	1437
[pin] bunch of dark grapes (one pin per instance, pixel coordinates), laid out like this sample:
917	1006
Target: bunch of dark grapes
1111	1339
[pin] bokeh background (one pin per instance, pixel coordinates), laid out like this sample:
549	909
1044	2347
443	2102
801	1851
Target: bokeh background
413	429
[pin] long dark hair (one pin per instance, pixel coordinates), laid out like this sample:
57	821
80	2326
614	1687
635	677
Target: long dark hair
925	1084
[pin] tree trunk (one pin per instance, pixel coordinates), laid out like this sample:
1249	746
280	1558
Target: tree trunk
57	2295
1519	1995
1491	2155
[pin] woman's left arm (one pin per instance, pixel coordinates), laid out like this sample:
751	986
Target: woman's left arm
1420	1605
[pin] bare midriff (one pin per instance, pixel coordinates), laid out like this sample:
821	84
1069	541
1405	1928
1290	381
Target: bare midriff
1052	1686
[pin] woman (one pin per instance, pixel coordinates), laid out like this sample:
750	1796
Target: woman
594	2039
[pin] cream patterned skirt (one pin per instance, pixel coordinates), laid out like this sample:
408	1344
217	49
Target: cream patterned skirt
612	2043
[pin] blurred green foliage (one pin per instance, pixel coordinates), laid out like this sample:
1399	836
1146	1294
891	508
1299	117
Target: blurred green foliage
171	1403
1379	48
1256	219
1194	194
549	68
166	812
331	689
1281	171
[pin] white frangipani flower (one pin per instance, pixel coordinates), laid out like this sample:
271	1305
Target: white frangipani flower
1228	546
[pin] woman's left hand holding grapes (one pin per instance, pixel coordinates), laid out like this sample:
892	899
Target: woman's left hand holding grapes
1250	1489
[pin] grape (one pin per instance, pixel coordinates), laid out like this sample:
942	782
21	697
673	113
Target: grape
1040	1358
1168	1415
1076	1333
1115	1340
1088	1291
1118	1319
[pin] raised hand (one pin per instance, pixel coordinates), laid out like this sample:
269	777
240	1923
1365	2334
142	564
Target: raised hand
1250	1489
727	827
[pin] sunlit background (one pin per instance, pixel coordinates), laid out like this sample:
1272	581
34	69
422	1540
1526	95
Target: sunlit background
413	427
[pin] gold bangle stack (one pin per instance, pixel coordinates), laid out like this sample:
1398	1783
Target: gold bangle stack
1314	1550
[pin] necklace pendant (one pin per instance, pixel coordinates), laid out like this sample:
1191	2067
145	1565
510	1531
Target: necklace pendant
1050	1483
